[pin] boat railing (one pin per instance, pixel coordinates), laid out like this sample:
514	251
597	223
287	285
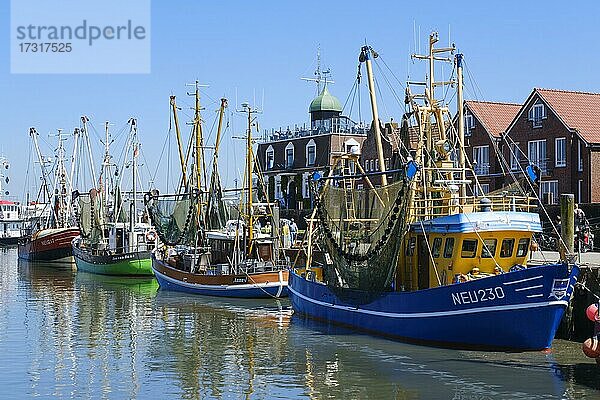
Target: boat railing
104	250
423	209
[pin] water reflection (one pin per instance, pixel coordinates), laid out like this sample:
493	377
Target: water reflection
74	335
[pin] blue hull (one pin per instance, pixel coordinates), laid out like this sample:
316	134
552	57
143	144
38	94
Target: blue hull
519	310
249	290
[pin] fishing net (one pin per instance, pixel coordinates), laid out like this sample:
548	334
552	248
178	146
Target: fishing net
362	230
174	217
88	216
216	212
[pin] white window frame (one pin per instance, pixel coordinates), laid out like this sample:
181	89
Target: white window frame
550	187
579	157
485	189
537	157
540	109
580	190
309	145
469	123
270	151
481	155
290	146
560	157
514	156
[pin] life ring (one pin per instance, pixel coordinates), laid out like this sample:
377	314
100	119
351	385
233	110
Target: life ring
151	236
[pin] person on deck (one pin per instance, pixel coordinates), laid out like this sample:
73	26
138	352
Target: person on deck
285	230
293	231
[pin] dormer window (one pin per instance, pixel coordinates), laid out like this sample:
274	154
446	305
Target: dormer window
269	158
311	153
289	155
536	114
469	124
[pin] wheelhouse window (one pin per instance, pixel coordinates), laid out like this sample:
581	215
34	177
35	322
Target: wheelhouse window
437	246
489	248
469	248
506	250
410	246
522	247
449	247
560	158
481	159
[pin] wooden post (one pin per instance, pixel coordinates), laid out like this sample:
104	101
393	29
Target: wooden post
567	217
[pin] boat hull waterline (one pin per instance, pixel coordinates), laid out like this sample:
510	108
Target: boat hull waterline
51	246
124	264
519	310
256	285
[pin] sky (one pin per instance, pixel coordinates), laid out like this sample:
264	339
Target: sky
257	52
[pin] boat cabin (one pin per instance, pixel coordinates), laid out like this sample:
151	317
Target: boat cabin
461	247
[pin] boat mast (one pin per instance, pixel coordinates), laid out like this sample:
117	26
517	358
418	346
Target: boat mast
60	183
199	139
179	144
249	168
461	124
133	207
220	126
84	131
365	56
45	190
76	134
105	169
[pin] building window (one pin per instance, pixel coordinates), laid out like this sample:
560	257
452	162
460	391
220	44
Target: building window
515	156
537	153
270	159
310	155
481	160
580	191
560	158
289	155
469	123
377	165
579	157
536	114
549	190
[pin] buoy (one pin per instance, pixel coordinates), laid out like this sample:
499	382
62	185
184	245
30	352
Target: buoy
591	347
592	312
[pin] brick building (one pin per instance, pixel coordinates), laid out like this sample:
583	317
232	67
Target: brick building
288	157
485	124
559	131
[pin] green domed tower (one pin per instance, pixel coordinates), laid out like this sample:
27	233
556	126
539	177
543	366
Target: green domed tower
324	106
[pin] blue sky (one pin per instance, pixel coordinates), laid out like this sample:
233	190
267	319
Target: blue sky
253	47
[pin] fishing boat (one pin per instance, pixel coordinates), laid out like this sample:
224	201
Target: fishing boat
49	227
417	258
211	247
114	238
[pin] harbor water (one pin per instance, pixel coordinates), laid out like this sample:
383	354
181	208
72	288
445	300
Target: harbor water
75	335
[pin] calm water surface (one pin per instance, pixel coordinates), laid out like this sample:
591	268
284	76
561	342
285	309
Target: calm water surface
75	335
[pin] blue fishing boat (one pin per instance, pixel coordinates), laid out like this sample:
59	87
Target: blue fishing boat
424	255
